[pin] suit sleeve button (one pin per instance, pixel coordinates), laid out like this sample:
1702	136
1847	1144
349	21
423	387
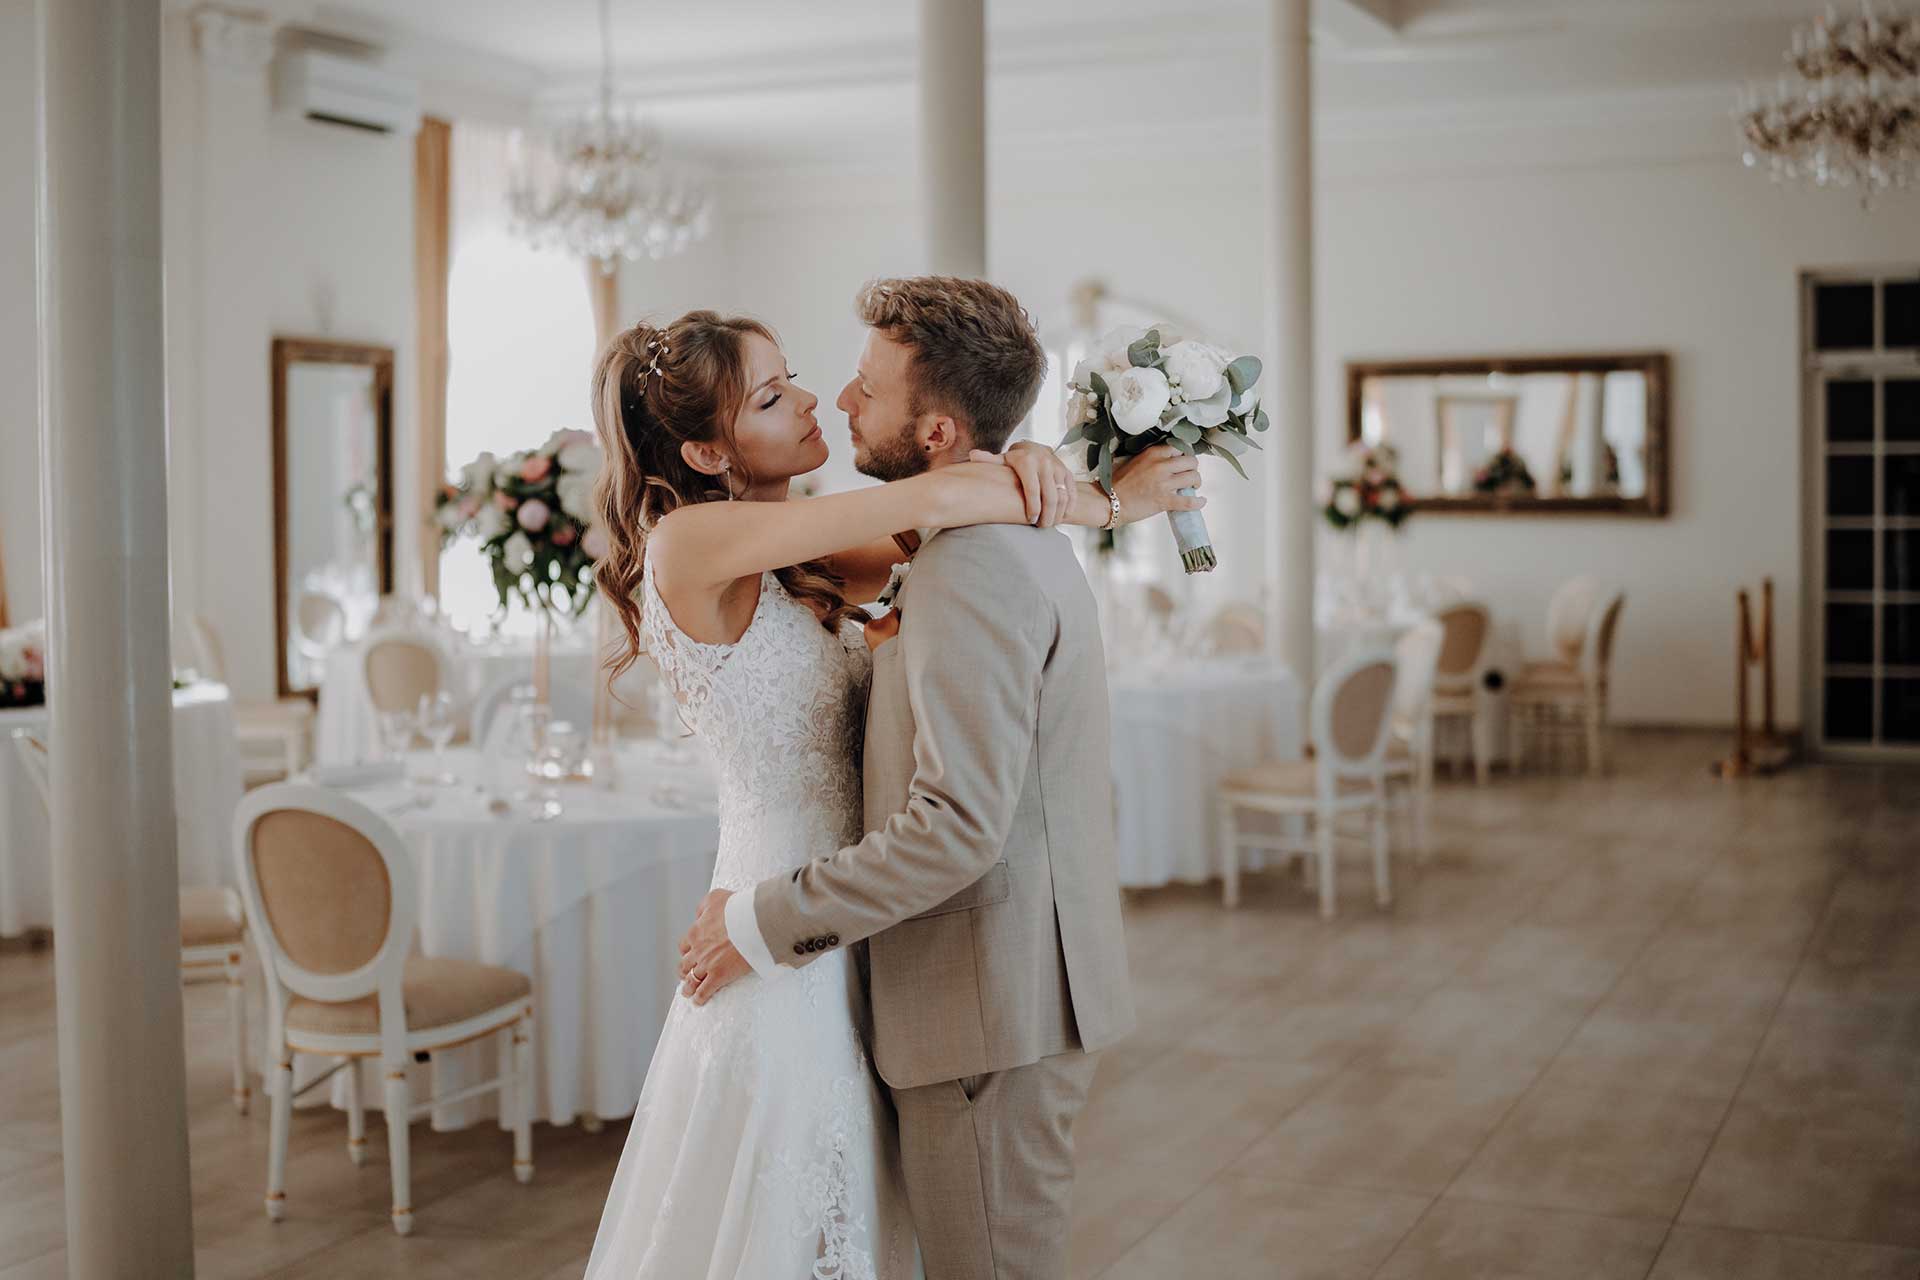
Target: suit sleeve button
799	948
833	939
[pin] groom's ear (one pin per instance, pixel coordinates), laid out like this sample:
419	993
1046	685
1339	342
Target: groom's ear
939	434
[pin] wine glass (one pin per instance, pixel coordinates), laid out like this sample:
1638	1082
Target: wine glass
437	724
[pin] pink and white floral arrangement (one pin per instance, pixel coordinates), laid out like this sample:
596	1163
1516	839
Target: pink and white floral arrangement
1365	486
23	665
532	513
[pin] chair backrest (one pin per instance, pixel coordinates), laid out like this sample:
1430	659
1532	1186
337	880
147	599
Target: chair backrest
1351	707
1569	614
32	750
1236	629
320	619
399	668
330	898
207	648
1417	654
1463	642
1598	649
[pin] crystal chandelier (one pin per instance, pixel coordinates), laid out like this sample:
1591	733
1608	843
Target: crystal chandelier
1849	114
597	187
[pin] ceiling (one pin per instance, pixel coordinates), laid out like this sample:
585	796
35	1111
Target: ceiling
740	80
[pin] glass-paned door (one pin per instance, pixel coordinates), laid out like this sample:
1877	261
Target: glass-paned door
1864	360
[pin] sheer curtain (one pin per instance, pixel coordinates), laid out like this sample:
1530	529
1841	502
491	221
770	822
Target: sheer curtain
520	338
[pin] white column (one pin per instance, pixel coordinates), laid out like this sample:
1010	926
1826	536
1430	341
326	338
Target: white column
953	135
1287	467
116	906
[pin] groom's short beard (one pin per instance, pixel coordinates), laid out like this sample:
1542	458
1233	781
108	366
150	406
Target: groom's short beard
896	458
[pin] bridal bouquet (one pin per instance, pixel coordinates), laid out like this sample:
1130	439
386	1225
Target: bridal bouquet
532	512
1366	486
1142	389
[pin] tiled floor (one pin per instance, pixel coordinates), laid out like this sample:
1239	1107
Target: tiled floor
1654	1026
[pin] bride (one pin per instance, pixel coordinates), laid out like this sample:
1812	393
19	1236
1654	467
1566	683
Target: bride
761	1146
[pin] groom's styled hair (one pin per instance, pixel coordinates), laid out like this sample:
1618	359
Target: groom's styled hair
976	356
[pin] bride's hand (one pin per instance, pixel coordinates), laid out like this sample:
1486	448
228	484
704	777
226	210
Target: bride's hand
1046	483
1150	482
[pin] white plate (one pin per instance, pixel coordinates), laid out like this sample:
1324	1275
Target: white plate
372	774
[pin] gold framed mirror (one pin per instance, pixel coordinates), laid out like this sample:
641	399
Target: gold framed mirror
1577	435
332	499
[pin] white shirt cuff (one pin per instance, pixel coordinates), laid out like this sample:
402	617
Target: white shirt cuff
743	931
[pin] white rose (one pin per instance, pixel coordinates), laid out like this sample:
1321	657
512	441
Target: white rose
477	476
1105	363
1347	502
1079	410
519	551
490	523
1226	441
582	456
1211	411
1139	397
576	495
1200	370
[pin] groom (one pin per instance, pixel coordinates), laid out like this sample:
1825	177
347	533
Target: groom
985	889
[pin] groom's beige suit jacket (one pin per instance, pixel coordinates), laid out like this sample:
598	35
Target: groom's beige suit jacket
986	883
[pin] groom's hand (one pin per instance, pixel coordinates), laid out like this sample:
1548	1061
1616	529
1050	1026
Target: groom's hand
708	960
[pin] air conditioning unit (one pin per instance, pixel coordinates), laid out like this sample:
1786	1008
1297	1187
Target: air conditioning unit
335	90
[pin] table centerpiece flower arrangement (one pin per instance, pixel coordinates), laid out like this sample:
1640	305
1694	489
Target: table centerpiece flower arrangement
1142	388
532	513
1365	486
23	665
1505	472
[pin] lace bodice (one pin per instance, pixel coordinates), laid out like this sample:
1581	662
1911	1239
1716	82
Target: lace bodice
781	712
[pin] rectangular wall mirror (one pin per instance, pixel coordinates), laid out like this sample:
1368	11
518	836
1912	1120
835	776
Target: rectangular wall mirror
1528	434
332	498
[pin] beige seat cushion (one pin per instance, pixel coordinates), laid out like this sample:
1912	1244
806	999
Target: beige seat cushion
286	714
1286	778
209	917
1398	749
436	992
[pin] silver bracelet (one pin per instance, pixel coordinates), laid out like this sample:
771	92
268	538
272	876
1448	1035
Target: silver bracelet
1113	504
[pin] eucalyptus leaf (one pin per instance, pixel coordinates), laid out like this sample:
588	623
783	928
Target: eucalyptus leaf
1185	432
1145	353
1099	386
1106	471
1182	446
1243	373
1073	435
1260	420
1231	461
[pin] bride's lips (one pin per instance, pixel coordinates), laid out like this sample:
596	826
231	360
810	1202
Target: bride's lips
812	435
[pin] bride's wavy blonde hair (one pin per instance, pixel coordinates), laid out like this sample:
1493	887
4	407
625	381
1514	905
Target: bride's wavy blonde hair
654	389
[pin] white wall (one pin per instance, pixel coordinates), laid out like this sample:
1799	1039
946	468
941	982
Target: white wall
277	227
1621	225
19	328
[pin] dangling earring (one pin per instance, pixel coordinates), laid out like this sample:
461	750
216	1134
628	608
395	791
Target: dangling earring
726	478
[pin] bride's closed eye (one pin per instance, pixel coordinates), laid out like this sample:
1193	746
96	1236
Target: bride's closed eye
775	398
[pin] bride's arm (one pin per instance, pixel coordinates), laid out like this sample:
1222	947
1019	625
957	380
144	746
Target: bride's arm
710	544
1146	484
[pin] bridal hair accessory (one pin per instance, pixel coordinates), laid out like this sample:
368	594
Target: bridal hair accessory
659	348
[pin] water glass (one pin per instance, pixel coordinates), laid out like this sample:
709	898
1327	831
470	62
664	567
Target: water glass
437	725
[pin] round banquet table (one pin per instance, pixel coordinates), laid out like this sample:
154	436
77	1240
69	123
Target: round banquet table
206	787
1177	730
590	904
345	730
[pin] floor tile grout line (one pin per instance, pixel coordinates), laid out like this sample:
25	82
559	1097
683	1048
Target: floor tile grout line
1773	1015
1533	1084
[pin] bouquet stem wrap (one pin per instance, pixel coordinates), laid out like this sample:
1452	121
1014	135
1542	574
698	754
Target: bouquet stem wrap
1190	535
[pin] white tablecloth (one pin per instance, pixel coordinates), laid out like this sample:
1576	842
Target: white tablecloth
1176	732
206	775
591	905
345	730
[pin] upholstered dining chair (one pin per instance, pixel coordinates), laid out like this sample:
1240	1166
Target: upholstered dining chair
1236	629
330	901
212	929
400	668
1569	692
320	622
1461	667
1349	717
1409	761
273	736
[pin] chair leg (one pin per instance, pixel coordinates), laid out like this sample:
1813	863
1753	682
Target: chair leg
1323	842
1482	732
1595	764
1229	856
399	1104
280	1091
1423	808
523	1098
356	1114
237	1020
1382	861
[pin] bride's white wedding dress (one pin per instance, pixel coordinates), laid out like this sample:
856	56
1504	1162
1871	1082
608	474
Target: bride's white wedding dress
761	1148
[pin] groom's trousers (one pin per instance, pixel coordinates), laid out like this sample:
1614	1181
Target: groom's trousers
989	1168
